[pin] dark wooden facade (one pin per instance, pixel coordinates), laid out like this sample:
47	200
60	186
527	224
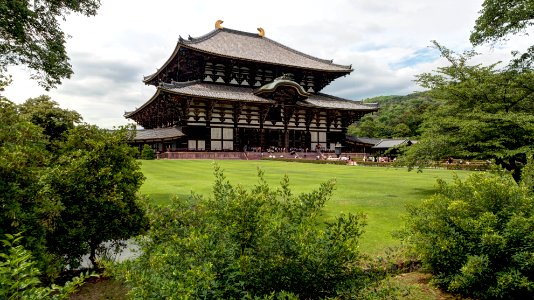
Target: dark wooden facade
230	89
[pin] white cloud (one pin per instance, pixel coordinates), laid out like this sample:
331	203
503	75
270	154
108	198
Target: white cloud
386	42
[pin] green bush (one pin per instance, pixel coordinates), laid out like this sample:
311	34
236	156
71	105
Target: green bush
476	236
19	277
147	153
262	243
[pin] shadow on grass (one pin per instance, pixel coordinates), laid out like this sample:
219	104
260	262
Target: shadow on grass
425	193
165	198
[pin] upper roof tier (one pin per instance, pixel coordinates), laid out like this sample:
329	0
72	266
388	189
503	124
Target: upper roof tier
245	46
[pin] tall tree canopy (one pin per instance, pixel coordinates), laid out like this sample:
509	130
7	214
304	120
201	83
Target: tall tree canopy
486	113
30	35
501	18
46	113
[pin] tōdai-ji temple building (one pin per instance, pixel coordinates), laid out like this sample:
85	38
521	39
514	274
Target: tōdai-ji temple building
229	90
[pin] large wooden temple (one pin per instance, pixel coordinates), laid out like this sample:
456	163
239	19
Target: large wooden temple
229	90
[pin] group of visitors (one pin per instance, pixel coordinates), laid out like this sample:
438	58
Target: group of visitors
380	159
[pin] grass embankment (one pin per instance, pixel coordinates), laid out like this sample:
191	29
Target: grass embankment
380	193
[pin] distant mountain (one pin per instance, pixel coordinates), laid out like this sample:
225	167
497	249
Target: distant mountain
398	117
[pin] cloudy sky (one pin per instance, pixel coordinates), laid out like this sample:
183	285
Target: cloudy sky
387	43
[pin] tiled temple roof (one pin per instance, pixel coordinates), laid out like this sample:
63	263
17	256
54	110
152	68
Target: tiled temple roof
329	101
158	134
250	46
242	45
213	91
246	94
390	143
363	140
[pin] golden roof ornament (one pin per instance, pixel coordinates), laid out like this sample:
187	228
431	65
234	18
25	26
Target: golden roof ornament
261	32
218	24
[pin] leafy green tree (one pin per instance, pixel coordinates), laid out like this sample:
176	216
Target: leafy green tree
23	159
476	237
242	243
46	113
30	35
96	179
401	130
147	153
499	19
398	117
485	113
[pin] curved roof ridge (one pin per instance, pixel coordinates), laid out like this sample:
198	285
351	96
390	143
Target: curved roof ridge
175	84
193	40
327	61
338	98
201	44
212	33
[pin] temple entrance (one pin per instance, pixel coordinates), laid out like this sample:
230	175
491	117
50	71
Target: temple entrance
251	137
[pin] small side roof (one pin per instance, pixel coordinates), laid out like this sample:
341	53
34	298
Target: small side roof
391	143
363	140
158	134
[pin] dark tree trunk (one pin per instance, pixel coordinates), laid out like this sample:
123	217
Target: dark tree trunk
92	255
513	165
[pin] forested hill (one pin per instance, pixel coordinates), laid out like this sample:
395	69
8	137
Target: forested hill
398	117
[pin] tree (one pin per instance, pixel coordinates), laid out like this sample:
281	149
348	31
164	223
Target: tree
46	113
399	116
498	19
23	159
485	113
248	244
475	236
147	153
96	179
30	35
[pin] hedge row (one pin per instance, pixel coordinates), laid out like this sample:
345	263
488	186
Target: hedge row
311	161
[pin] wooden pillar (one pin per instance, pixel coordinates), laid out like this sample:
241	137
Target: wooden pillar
261	117
209	113
238	144
288	111
307	121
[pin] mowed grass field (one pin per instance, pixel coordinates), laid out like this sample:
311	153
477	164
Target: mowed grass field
380	193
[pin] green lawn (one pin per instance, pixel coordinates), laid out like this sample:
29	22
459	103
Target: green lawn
380	193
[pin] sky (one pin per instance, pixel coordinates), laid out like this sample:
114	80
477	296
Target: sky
386	42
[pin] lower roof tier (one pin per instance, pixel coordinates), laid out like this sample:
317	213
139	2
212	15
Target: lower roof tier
218	92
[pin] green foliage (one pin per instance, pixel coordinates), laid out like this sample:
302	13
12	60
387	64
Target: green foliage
31	36
68	198
485	113
248	244
19	278
147	153
46	113
498	19
476	237
399	116
96	179
23	159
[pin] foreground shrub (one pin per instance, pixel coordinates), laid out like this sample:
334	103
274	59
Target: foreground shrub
19	277
247	244
476	236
